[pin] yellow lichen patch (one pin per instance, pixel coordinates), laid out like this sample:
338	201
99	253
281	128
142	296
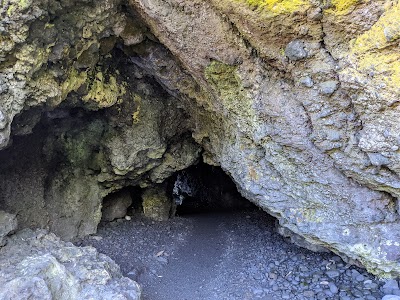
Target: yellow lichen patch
18	4
342	7
386	30
135	116
310	215
385	65
374	52
105	92
74	81
279	6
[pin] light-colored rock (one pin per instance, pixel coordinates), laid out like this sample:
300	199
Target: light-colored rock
38	265
295	50
391	297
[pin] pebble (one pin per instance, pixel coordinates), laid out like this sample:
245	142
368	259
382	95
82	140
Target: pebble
389	286
360	278
309	294
391	297
333	288
332	273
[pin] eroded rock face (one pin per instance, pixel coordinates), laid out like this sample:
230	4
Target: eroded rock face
115	205
38	265
8	224
296	107
295	100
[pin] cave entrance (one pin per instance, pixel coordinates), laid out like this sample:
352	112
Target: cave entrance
203	188
199	189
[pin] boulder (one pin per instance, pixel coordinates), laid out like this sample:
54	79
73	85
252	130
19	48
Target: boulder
156	204
115	205
37	265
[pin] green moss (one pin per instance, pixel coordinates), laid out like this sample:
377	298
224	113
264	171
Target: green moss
19	4
156	204
77	150
78	145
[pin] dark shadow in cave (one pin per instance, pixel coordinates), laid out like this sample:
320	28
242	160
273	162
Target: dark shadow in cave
203	188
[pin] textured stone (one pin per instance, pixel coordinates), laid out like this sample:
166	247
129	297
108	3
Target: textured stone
8	224
295	50
115	205
156	204
38	265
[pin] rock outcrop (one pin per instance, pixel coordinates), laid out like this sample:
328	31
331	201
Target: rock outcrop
295	100
38	265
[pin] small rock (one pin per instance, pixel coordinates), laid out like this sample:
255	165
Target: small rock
128	218
333	288
273	276
360	278
306	81
96	237
391	297
309	294
390	285
295	50
162	260
332	273
328	87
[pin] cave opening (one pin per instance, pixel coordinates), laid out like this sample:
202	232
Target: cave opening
199	189
204	188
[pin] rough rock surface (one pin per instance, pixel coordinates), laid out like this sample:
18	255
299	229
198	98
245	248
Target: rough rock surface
116	205
38	265
296	100
156	203
8	224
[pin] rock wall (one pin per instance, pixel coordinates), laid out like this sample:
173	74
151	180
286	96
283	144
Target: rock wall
299	108
295	100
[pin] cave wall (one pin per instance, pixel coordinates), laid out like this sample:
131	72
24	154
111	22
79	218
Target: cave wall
296	102
299	108
87	120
